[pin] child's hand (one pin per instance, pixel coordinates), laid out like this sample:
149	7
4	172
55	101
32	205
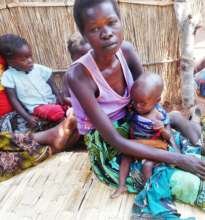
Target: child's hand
158	125
67	101
33	121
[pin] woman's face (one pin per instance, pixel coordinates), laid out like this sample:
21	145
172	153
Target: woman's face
102	29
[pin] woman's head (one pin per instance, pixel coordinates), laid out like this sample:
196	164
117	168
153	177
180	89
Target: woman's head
81	6
16	51
146	92
99	22
77	46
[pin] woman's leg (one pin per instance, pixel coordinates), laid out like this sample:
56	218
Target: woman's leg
190	129
63	135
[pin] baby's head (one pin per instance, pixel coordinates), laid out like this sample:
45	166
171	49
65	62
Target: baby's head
77	46
146	92
17	52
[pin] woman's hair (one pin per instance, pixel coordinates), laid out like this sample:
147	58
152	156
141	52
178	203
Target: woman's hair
10	44
81	5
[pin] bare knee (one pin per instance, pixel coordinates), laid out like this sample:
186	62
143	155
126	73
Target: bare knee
176	118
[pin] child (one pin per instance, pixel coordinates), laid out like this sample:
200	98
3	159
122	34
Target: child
148	120
29	86
77	47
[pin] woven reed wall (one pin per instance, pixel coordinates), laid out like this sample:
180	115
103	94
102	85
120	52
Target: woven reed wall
150	25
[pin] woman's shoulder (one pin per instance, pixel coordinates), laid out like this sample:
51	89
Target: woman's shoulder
76	72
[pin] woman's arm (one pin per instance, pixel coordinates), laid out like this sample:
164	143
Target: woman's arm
78	78
132	59
200	65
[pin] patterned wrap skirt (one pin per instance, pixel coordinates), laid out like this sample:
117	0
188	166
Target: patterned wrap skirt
166	184
19	152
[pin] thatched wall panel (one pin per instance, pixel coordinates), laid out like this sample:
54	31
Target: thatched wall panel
151	28
153	31
47	30
7	22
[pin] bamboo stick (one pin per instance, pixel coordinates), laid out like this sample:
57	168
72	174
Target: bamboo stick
153	3
39	4
71	3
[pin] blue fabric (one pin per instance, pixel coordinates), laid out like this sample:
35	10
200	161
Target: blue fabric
200	81
156	198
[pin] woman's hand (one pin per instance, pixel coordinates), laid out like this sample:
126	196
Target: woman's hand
193	165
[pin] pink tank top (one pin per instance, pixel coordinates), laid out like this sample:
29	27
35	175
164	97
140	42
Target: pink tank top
110	102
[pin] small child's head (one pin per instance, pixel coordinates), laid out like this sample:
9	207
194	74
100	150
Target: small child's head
99	23
146	92
17	52
77	46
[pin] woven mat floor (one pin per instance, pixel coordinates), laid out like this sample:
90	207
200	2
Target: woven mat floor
63	188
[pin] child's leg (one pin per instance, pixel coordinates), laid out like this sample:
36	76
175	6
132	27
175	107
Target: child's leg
147	169
124	171
50	112
190	129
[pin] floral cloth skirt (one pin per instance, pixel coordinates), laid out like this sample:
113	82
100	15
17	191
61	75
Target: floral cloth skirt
19	152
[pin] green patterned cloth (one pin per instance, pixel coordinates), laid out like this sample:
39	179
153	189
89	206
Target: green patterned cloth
182	186
19	152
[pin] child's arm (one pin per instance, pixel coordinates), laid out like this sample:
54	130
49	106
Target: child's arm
56	91
33	121
167	135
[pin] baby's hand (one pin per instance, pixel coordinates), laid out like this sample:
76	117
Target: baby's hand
158	125
33	121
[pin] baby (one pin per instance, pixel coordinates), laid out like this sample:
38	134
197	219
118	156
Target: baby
148	120
29	86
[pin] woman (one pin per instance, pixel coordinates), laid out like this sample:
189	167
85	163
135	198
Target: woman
105	76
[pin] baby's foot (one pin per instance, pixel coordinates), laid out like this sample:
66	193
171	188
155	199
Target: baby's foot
118	192
196	114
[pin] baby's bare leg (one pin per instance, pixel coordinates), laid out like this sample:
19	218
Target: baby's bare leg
190	129
147	169
124	171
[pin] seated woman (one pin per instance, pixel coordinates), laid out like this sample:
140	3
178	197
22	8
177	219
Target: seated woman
20	151
100	84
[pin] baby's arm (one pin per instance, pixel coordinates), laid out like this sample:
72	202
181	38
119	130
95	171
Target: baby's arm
33	121
167	135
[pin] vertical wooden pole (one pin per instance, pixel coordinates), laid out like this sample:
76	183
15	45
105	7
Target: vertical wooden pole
187	25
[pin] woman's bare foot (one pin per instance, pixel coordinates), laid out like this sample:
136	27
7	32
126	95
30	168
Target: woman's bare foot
64	132
118	192
59	136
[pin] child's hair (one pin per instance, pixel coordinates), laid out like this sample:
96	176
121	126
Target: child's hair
148	82
10	44
74	42
81	5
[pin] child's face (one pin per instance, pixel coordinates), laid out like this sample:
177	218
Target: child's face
103	29
143	103
80	51
22	60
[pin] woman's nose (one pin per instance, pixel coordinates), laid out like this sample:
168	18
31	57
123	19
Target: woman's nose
106	33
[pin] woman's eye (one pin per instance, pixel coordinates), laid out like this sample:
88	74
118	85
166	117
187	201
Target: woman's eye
113	22
95	29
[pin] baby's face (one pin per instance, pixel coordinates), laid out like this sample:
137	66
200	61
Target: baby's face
144	104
